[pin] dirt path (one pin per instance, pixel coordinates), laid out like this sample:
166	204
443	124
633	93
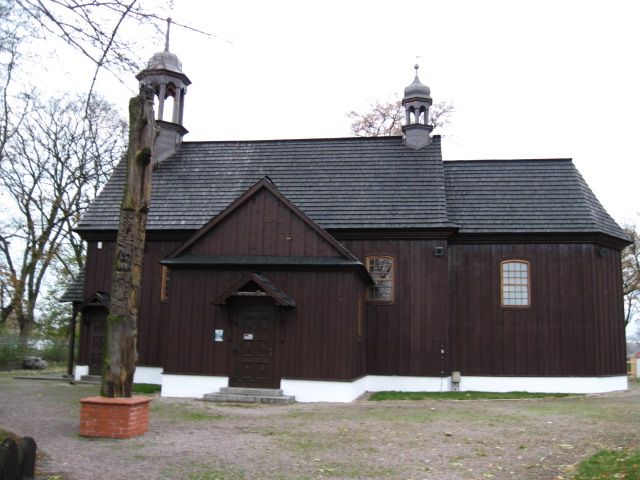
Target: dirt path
190	439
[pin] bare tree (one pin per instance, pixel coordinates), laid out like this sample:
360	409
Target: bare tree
53	166
93	28
631	275
14	29
385	119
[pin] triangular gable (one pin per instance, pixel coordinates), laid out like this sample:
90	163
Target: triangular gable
265	288
240	209
96	299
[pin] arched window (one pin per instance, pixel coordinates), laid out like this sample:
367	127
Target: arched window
412	115
381	270
515	283
422	119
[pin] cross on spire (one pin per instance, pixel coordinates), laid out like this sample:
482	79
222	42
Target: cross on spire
166	41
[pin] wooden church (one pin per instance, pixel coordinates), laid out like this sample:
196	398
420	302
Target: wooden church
331	267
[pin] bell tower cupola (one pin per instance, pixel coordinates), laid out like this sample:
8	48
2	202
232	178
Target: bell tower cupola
416	102
164	76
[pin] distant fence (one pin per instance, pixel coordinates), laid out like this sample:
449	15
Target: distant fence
12	351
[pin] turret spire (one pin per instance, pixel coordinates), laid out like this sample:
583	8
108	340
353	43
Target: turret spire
165	77
166	40
416	102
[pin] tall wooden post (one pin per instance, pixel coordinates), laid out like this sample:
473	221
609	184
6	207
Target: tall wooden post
122	326
72	338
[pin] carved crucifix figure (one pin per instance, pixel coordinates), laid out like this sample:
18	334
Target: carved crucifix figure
122	331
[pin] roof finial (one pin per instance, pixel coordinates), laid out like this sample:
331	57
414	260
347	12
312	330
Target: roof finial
166	42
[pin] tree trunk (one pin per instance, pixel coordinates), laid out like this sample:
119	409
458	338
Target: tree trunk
25	324
122	325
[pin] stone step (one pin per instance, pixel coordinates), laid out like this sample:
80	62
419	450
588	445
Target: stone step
231	398
258	392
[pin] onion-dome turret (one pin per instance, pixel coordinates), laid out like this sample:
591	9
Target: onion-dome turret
165	77
416	102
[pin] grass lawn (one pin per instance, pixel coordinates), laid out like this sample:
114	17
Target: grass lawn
461	395
543	438
611	464
146	388
4	435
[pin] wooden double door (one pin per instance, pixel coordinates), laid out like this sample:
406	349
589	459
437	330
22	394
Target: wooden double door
254	332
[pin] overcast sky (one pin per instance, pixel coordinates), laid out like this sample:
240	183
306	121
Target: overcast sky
528	79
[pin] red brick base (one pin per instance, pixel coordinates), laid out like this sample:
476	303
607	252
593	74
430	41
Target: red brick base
114	417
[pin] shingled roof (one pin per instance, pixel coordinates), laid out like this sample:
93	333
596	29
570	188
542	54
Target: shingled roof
75	289
365	183
523	196
338	183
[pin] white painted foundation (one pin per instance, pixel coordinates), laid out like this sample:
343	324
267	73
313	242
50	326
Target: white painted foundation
323	391
326	391
79	371
333	391
148	375
191	385
544	384
381	383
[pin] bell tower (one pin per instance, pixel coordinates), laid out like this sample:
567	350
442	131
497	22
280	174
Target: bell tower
416	102
164	76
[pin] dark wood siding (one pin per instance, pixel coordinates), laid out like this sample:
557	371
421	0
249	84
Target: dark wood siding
98	278
317	339
263	225
574	326
83	342
99	267
406	337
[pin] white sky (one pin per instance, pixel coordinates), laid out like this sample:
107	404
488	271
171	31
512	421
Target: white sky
528	79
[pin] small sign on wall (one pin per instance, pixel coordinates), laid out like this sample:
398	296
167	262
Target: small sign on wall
218	335
247	336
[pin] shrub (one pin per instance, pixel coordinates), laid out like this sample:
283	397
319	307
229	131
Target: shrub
12	352
55	350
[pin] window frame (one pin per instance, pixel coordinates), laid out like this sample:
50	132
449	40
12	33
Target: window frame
502	284
165	280
393	280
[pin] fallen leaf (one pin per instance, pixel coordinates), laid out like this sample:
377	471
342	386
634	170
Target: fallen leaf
566	446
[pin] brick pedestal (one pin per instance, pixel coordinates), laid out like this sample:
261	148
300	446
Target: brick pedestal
114	417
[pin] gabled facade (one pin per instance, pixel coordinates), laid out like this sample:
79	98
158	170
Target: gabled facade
329	267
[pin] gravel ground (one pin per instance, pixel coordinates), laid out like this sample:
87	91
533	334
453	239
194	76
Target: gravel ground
191	439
